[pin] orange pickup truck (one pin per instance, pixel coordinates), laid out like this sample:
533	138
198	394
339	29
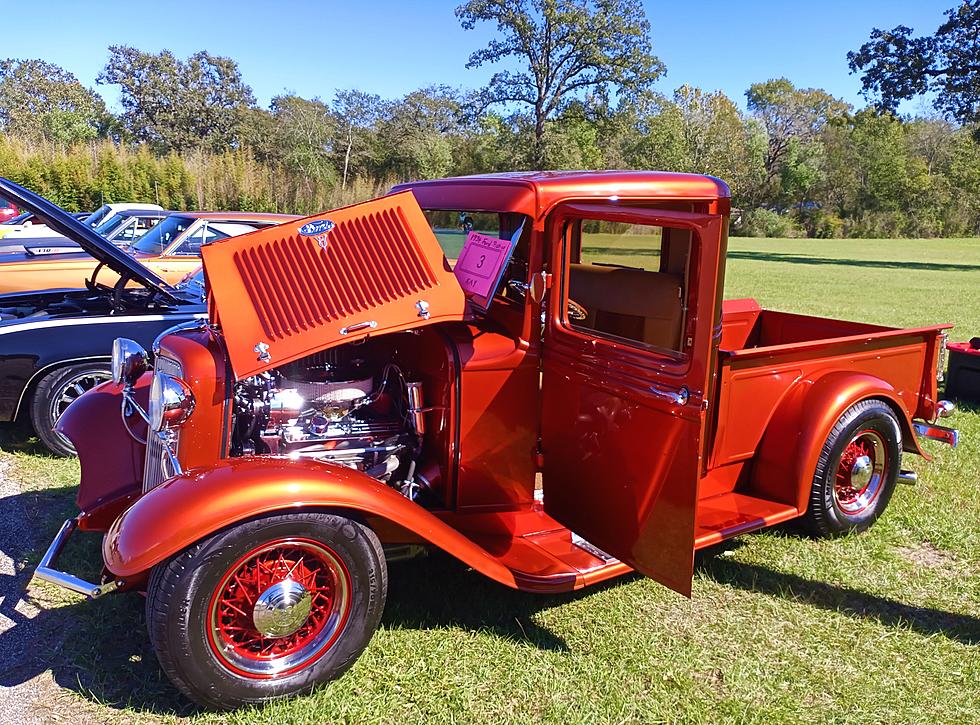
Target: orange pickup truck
352	400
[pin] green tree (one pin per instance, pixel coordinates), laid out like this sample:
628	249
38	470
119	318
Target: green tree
41	101
415	135
790	117
565	48
303	132
175	104
896	65
355	113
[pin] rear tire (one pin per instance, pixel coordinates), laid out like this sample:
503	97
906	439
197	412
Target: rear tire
55	392
856	472
267	609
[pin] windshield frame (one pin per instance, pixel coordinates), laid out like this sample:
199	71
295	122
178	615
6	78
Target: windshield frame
160	249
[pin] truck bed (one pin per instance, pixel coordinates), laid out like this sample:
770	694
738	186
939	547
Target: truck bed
764	353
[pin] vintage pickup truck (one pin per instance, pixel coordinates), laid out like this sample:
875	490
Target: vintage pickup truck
347	403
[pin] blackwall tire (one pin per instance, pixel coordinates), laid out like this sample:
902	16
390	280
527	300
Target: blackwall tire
55	392
325	573
856	472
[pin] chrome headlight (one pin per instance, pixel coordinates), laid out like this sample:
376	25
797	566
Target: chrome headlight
171	401
129	361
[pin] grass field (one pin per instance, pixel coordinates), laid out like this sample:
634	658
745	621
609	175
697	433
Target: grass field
883	627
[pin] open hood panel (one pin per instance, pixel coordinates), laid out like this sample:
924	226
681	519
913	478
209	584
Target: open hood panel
285	292
86	237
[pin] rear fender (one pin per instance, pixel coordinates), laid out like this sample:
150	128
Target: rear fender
201	501
787	456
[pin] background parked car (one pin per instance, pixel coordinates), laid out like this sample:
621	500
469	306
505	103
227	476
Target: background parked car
7	210
93	219
121	229
171	250
57	344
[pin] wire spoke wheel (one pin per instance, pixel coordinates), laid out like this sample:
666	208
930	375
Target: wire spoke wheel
861	472
279	608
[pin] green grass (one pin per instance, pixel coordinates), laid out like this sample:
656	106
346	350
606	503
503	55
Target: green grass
882	627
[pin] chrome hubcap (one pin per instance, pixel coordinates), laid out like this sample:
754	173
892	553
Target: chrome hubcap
282	609
861	472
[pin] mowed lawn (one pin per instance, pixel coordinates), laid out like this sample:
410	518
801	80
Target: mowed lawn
878	628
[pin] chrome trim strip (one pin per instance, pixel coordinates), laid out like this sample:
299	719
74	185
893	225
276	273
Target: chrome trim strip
46	572
949	436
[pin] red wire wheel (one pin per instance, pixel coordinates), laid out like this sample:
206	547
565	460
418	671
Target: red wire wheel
861	472
279	608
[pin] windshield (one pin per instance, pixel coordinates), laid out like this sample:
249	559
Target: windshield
19	219
110	224
98	216
162	235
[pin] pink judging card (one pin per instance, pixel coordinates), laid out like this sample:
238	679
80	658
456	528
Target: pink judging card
480	264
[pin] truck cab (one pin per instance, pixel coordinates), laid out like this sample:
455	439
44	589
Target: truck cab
350	399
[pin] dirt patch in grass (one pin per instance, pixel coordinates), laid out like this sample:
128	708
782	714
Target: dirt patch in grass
927	556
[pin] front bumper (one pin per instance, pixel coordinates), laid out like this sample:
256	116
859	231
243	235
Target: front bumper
46	571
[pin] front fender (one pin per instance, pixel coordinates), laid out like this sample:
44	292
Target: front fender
788	454
199	502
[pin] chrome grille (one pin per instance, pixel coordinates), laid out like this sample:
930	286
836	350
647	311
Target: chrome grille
156	468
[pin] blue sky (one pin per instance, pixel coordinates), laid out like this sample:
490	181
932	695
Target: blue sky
390	48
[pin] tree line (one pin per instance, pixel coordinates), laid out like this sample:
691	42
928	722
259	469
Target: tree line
189	133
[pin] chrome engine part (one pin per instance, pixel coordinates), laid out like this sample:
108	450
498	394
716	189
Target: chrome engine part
334	410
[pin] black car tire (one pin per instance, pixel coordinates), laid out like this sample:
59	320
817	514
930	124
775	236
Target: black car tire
53	394
868	429
192	601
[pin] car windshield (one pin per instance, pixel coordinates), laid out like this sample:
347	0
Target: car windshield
19	219
162	235
98	216
110	224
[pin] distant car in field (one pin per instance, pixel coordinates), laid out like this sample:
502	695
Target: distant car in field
171	249
93	219
7	211
122	229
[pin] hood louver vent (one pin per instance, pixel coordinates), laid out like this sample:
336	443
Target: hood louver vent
296	288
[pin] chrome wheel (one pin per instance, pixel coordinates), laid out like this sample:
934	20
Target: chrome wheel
861	472
69	390
279	608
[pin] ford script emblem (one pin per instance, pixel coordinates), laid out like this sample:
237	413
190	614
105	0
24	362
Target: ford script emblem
319	226
317	229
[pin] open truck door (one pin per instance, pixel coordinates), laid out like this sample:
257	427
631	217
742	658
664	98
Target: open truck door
627	369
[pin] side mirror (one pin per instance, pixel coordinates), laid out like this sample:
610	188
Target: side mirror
129	361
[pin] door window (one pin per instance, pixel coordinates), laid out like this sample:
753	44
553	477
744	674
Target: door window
628	282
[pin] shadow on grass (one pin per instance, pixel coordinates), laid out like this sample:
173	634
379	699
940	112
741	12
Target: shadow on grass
877	263
851	602
18	438
101	650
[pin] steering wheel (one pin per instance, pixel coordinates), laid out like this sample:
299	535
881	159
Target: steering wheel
576	311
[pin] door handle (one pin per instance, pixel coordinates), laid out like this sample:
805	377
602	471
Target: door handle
677	397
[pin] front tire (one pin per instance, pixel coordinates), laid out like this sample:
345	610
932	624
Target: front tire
56	391
268	608
856	472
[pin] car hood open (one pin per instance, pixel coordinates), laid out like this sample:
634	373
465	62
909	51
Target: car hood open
87	238
285	292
